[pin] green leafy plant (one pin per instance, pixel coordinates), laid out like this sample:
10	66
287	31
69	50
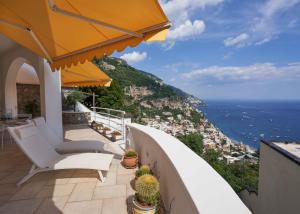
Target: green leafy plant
70	100
143	170
32	108
147	190
130	153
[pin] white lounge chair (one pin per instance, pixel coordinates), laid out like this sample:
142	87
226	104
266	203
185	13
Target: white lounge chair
74	146
45	158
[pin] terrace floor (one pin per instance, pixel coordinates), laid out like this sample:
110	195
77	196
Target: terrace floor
65	191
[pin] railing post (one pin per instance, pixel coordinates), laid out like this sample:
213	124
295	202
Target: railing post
109	118
123	127
94	106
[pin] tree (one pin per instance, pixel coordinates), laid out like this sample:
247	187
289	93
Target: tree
70	101
194	141
107	97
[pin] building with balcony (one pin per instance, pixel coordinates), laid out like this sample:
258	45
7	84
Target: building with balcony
279	179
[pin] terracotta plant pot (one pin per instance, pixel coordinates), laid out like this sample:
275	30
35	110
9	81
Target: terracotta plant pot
130	162
105	130
140	209
114	136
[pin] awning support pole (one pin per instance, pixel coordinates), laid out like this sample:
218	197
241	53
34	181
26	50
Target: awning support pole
32	34
38	42
56	9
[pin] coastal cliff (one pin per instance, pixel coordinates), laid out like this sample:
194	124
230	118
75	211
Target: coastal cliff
147	100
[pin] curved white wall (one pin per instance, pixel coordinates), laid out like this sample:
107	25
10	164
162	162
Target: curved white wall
188	183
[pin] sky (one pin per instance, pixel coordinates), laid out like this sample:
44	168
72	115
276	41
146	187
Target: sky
227	49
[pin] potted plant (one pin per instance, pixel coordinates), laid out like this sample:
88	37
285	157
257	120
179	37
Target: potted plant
143	170
114	135
105	130
93	124
146	197
130	159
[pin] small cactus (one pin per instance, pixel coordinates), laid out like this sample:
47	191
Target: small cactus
147	190
143	170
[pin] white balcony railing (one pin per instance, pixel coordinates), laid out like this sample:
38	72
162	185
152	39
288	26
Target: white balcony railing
111	118
188	184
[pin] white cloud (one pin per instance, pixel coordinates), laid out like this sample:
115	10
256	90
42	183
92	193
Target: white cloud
134	57
186	30
179	13
237	74
239	41
266	22
272	7
180	10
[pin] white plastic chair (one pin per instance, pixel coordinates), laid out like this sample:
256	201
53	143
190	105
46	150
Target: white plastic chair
45	158
74	146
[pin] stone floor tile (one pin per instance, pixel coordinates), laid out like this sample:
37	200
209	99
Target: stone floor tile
129	190
4	199
44	176
14	177
83	178
124	171
8	189
114	205
3	174
52	205
82	192
20	207
109	192
125	179
111	179
83	207
56	191
61	177
28	190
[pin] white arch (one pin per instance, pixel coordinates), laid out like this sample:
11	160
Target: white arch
10	84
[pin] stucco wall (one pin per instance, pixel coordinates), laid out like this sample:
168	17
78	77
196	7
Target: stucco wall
250	199
188	184
279	183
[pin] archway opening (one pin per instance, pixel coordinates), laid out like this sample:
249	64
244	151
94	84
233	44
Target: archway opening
22	90
28	91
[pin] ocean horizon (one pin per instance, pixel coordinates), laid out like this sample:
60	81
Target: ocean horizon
249	121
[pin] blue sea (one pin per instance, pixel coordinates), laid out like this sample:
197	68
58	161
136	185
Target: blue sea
250	121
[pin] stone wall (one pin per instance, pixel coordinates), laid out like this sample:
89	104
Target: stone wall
76	117
27	93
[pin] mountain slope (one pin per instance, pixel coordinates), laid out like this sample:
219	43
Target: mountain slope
127	76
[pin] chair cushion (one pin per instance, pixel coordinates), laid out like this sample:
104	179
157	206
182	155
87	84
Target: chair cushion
39	121
26	131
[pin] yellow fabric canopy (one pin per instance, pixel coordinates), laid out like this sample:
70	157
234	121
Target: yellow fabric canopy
70	31
86	74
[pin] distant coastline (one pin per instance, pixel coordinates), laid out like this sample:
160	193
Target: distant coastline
250	121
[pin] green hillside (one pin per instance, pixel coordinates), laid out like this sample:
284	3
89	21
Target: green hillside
125	76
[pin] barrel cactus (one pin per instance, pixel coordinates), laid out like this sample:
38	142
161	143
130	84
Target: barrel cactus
143	170
147	190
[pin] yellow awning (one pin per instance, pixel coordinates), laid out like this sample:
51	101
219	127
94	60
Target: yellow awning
86	74
70	31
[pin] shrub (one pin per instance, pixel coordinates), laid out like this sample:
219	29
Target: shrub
143	170
70	101
147	190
